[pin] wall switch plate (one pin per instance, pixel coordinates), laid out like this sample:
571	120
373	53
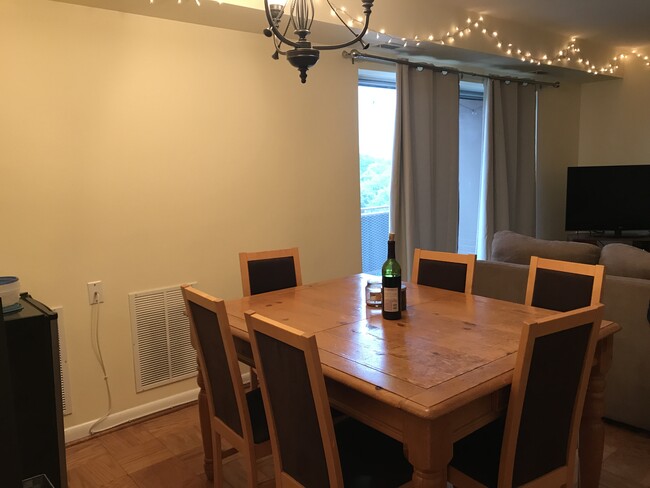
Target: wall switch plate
95	292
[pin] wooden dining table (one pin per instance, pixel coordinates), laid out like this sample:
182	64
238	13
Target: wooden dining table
439	373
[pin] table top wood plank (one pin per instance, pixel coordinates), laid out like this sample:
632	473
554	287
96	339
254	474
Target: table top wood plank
367	379
421	354
447	349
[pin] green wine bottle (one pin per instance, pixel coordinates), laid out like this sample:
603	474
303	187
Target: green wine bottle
391	281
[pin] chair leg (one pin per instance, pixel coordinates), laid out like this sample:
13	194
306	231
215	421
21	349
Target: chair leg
217	460
251	466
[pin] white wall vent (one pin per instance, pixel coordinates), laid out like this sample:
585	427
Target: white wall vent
161	338
63	360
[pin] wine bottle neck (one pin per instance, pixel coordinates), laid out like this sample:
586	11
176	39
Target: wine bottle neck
391	249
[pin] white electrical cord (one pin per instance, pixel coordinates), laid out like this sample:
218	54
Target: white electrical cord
94	337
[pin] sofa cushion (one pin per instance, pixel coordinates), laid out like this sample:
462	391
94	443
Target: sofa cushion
510	247
623	260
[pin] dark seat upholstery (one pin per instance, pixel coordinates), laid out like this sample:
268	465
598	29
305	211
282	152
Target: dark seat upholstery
236	416
538	437
444	270
563	285
307	448
266	271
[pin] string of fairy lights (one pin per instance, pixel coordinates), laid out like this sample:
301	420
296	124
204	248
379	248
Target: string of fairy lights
570	53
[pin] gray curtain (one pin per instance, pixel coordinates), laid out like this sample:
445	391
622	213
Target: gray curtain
424	187
509	162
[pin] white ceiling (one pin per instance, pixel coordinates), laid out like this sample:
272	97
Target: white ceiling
620	23
615	23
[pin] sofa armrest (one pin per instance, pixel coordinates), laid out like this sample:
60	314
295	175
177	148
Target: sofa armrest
627	395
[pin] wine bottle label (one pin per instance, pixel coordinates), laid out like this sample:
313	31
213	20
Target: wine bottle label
391	299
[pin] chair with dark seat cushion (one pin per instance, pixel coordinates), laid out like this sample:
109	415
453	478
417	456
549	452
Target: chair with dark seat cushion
446	270
563	285
269	270
308	449
536	442
235	415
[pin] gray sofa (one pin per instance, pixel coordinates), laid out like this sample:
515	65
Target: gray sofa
626	300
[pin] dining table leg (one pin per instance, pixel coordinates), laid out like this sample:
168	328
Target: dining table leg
592	430
429	449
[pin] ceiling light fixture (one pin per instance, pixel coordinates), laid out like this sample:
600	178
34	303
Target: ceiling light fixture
302	54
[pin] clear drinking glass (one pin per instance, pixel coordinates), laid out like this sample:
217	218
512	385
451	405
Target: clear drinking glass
373	293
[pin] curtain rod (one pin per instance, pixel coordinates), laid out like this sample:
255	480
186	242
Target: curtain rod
355	54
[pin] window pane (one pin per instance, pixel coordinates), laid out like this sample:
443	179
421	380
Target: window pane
470	147
376	134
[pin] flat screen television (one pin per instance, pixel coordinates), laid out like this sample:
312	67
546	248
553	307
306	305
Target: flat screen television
608	198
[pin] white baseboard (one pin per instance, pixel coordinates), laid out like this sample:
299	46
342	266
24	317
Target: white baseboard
81	431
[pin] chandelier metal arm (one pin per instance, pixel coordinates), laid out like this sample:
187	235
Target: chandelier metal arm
275	30
358	38
283	39
338	16
303	55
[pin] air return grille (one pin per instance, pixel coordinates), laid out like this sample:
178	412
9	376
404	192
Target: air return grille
161	338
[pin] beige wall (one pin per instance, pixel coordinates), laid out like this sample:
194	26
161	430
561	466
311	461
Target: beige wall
558	126
615	118
147	153
610	120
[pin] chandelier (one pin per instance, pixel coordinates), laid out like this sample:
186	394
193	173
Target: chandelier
301	54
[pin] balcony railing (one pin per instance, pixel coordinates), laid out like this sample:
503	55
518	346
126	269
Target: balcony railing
374	234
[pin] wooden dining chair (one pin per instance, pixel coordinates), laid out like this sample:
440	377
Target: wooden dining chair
269	270
535	445
309	450
235	415
446	270
563	285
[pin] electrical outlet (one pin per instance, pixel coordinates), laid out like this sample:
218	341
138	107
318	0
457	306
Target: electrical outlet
95	292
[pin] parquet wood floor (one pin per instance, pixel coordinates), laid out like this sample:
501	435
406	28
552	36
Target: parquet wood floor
166	452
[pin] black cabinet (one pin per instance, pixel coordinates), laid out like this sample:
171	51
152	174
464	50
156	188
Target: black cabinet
10	469
32	372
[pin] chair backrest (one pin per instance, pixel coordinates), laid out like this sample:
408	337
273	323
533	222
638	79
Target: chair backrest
563	285
269	270
446	270
547	397
214	344
297	408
